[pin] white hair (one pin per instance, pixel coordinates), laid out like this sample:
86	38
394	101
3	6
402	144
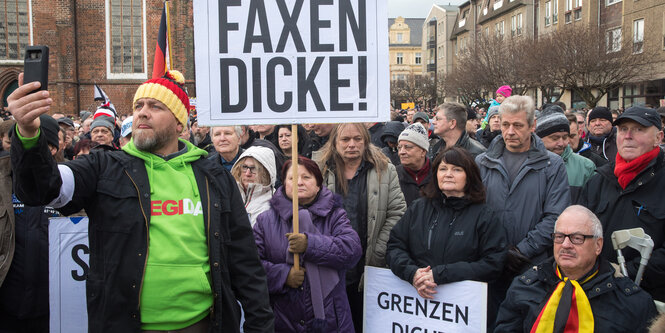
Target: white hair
596	227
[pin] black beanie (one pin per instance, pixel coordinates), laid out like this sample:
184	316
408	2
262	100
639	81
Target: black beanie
50	128
552	120
600	112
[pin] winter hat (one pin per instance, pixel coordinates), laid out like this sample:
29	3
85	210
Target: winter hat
66	121
103	122
126	128
471	113
421	115
50	128
505	91
552	120
600	112
417	134
169	90
84	115
493	111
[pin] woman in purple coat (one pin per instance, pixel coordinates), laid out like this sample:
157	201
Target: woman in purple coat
312	299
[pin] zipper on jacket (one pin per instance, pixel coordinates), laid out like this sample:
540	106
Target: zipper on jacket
429	237
147	236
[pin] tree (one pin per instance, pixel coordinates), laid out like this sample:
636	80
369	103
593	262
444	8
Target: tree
413	88
577	58
590	66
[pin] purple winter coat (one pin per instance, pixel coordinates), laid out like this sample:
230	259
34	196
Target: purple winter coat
337	246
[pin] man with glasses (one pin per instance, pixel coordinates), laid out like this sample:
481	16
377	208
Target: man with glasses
628	193
576	290
414	171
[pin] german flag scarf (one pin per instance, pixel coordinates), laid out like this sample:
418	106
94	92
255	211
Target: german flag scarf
568	309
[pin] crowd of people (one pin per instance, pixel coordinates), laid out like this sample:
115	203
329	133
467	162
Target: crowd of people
189	224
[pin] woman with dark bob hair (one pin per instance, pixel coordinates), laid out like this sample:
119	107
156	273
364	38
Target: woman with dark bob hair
312	299
449	235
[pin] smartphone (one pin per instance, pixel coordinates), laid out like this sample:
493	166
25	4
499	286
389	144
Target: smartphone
35	65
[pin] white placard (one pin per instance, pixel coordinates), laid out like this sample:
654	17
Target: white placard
68	267
393	305
295	61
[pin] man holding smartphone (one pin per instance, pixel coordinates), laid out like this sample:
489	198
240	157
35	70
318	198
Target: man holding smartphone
171	247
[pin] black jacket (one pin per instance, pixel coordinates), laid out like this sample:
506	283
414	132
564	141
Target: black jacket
639	205
607	147
618	305
113	188
584	150
472	146
459	240
409	186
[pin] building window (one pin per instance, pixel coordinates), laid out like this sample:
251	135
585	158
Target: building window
555	11
400	58
498	4
638	36
519	24
611	2
498	29
577	12
125	39
548	12
430	58
418	58
487	31
614	40
400	37
569	5
15	24
513	25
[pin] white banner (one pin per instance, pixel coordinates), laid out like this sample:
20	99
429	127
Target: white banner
296	61
68	267
393	305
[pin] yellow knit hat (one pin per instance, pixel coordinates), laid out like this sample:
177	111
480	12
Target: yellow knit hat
167	89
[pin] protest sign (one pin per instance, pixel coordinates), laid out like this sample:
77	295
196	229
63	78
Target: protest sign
393	305
278	61
68	268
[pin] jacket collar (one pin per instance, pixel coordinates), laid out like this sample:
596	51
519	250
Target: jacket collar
536	151
607	172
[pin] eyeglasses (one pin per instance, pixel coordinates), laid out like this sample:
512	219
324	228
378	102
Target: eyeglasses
251	169
577	239
406	147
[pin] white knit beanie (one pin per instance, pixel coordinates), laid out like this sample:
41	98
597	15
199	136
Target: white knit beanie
417	134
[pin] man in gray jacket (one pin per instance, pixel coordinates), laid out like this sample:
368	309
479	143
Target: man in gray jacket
526	184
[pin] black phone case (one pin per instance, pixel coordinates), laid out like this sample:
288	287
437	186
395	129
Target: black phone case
36	68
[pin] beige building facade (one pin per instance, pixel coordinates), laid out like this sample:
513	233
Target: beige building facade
405	47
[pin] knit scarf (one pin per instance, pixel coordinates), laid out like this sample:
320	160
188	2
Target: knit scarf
419	175
627	171
568	309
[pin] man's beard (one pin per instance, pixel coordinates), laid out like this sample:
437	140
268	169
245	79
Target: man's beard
199	137
152	143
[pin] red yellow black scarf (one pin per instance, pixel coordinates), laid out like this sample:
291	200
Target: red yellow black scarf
568	308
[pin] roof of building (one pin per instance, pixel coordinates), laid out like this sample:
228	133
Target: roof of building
415	29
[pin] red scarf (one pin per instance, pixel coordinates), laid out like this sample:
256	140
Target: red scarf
627	171
419	175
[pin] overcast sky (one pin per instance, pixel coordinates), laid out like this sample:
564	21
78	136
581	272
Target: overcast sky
415	8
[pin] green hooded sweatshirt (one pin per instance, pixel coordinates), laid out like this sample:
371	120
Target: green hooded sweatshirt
176	290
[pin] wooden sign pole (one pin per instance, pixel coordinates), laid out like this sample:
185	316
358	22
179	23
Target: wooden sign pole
294	172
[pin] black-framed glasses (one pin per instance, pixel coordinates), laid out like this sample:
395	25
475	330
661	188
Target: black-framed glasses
251	169
577	239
